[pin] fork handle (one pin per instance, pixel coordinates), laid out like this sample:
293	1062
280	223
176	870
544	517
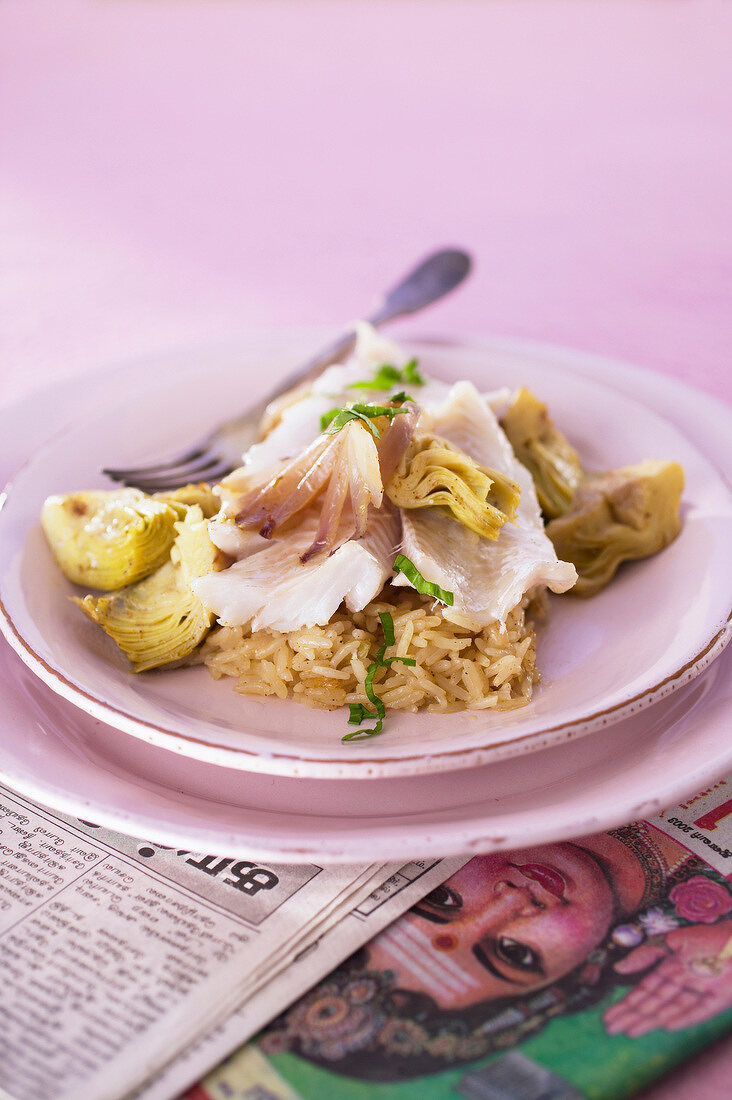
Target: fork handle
431	279
435	276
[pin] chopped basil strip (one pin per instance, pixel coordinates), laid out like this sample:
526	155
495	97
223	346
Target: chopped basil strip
387	375
332	421
343	416
387	625
401	397
361	735
371	694
426	588
384	379
411	374
327	418
360	713
377	410
387	662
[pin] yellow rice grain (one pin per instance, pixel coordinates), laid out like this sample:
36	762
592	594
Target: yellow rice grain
326	666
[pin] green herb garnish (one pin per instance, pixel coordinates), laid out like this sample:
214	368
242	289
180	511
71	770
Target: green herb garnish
341	417
335	419
327	418
425	588
411	374
360	713
384	379
387	375
387	625
377	410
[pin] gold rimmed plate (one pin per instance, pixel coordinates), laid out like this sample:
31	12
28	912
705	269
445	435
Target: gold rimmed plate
659	625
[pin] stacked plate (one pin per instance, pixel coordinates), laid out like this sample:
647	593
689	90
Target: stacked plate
630	714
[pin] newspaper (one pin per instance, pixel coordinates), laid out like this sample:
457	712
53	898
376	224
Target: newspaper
578	968
119	955
390	899
131	969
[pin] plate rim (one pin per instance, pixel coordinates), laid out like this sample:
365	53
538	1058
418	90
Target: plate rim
279	762
398	842
313	767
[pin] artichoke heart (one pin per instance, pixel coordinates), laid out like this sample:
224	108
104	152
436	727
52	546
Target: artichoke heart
433	473
199	493
109	538
552	462
160	620
625	514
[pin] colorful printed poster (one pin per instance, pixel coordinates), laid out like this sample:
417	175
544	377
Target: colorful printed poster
583	968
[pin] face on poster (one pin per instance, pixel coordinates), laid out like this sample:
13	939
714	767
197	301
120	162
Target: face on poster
515	939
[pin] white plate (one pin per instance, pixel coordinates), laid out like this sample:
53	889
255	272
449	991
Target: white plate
54	753
659	625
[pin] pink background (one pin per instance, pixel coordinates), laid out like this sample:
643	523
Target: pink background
175	172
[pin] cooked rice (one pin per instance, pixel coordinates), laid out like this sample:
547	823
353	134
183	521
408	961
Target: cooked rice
325	666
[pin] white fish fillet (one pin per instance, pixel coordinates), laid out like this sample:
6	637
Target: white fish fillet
273	588
269	585
235	541
487	578
299	426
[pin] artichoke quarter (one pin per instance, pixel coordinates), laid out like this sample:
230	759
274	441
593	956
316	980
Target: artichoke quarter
552	462
109	539
159	620
625	514
199	493
434	473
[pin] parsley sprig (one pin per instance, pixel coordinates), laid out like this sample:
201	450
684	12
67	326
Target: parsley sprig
387	375
359	713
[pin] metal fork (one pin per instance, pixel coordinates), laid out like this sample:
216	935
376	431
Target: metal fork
219	452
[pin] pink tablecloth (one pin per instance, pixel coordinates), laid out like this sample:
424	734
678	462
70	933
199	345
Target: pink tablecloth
172	171
175	172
